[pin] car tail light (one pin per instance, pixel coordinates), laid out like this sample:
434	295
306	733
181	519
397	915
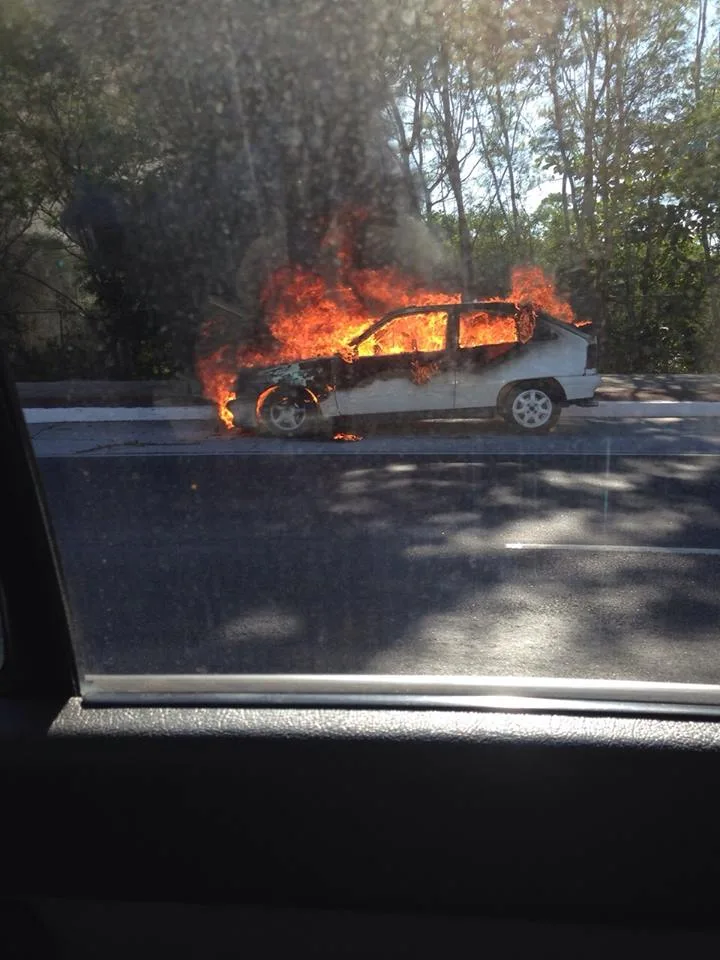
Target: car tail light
592	357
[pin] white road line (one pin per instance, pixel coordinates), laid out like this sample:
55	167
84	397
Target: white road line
616	548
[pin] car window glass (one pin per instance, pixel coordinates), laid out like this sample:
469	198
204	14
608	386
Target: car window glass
418	332
203	208
483	328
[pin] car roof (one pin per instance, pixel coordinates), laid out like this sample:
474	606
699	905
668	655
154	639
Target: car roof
505	307
501	306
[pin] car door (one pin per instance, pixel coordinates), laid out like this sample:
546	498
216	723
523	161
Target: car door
402	366
486	344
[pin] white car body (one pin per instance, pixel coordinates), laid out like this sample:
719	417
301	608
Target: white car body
558	360
562	358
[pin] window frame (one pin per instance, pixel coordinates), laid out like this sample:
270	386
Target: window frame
39	659
499	307
383	806
388	318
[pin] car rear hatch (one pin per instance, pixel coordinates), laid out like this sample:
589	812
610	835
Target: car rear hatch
591	359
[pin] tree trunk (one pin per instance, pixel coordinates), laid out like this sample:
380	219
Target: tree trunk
559	125
454	175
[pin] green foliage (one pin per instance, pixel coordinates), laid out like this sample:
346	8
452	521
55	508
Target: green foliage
157	149
63	117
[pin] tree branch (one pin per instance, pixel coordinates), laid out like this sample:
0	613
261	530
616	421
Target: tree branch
49	286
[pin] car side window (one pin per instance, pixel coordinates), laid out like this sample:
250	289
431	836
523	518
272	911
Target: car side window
414	333
543	333
481	328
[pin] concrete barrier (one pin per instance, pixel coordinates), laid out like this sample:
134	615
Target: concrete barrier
606	410
71	393
118	414
644	409
150	393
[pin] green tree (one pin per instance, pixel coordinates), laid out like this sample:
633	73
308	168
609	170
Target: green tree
63	119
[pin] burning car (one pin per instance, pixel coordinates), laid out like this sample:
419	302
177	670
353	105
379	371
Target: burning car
446	359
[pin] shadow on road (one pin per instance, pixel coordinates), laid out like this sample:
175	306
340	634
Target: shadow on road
392	564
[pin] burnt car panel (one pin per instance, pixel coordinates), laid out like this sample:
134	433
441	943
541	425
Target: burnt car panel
396	379
400	383
545	349
314	375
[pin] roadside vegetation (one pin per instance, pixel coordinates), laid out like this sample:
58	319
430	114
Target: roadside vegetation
156	158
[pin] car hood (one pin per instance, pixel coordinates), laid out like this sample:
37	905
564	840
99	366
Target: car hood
299	373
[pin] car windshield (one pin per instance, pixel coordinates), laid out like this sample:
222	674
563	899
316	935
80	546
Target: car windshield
514	473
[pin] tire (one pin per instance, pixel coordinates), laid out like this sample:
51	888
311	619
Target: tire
530	408
288	413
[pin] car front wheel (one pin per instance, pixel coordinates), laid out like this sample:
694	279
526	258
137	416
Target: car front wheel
287	413
529	408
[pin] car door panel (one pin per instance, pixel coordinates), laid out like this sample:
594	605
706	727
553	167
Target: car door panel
534	360
403	383
480	373
387	378
486	342
484	369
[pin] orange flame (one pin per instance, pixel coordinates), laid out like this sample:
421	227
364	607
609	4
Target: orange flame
310	318
531	286
484	329
217	373
421	373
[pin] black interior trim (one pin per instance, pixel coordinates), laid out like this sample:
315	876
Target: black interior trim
550	815
38	653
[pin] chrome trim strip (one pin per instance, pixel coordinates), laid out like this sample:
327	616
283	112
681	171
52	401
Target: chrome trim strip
512	693
379	702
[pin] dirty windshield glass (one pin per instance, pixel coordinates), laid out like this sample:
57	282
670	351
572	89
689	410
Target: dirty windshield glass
204	207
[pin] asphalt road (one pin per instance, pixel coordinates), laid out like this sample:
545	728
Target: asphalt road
452	555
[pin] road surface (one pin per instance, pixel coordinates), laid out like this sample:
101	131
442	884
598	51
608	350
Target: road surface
454	550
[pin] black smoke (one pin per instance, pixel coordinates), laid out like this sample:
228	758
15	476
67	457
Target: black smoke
263	123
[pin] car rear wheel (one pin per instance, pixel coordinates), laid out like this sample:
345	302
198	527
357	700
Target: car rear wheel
288	413
529	408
